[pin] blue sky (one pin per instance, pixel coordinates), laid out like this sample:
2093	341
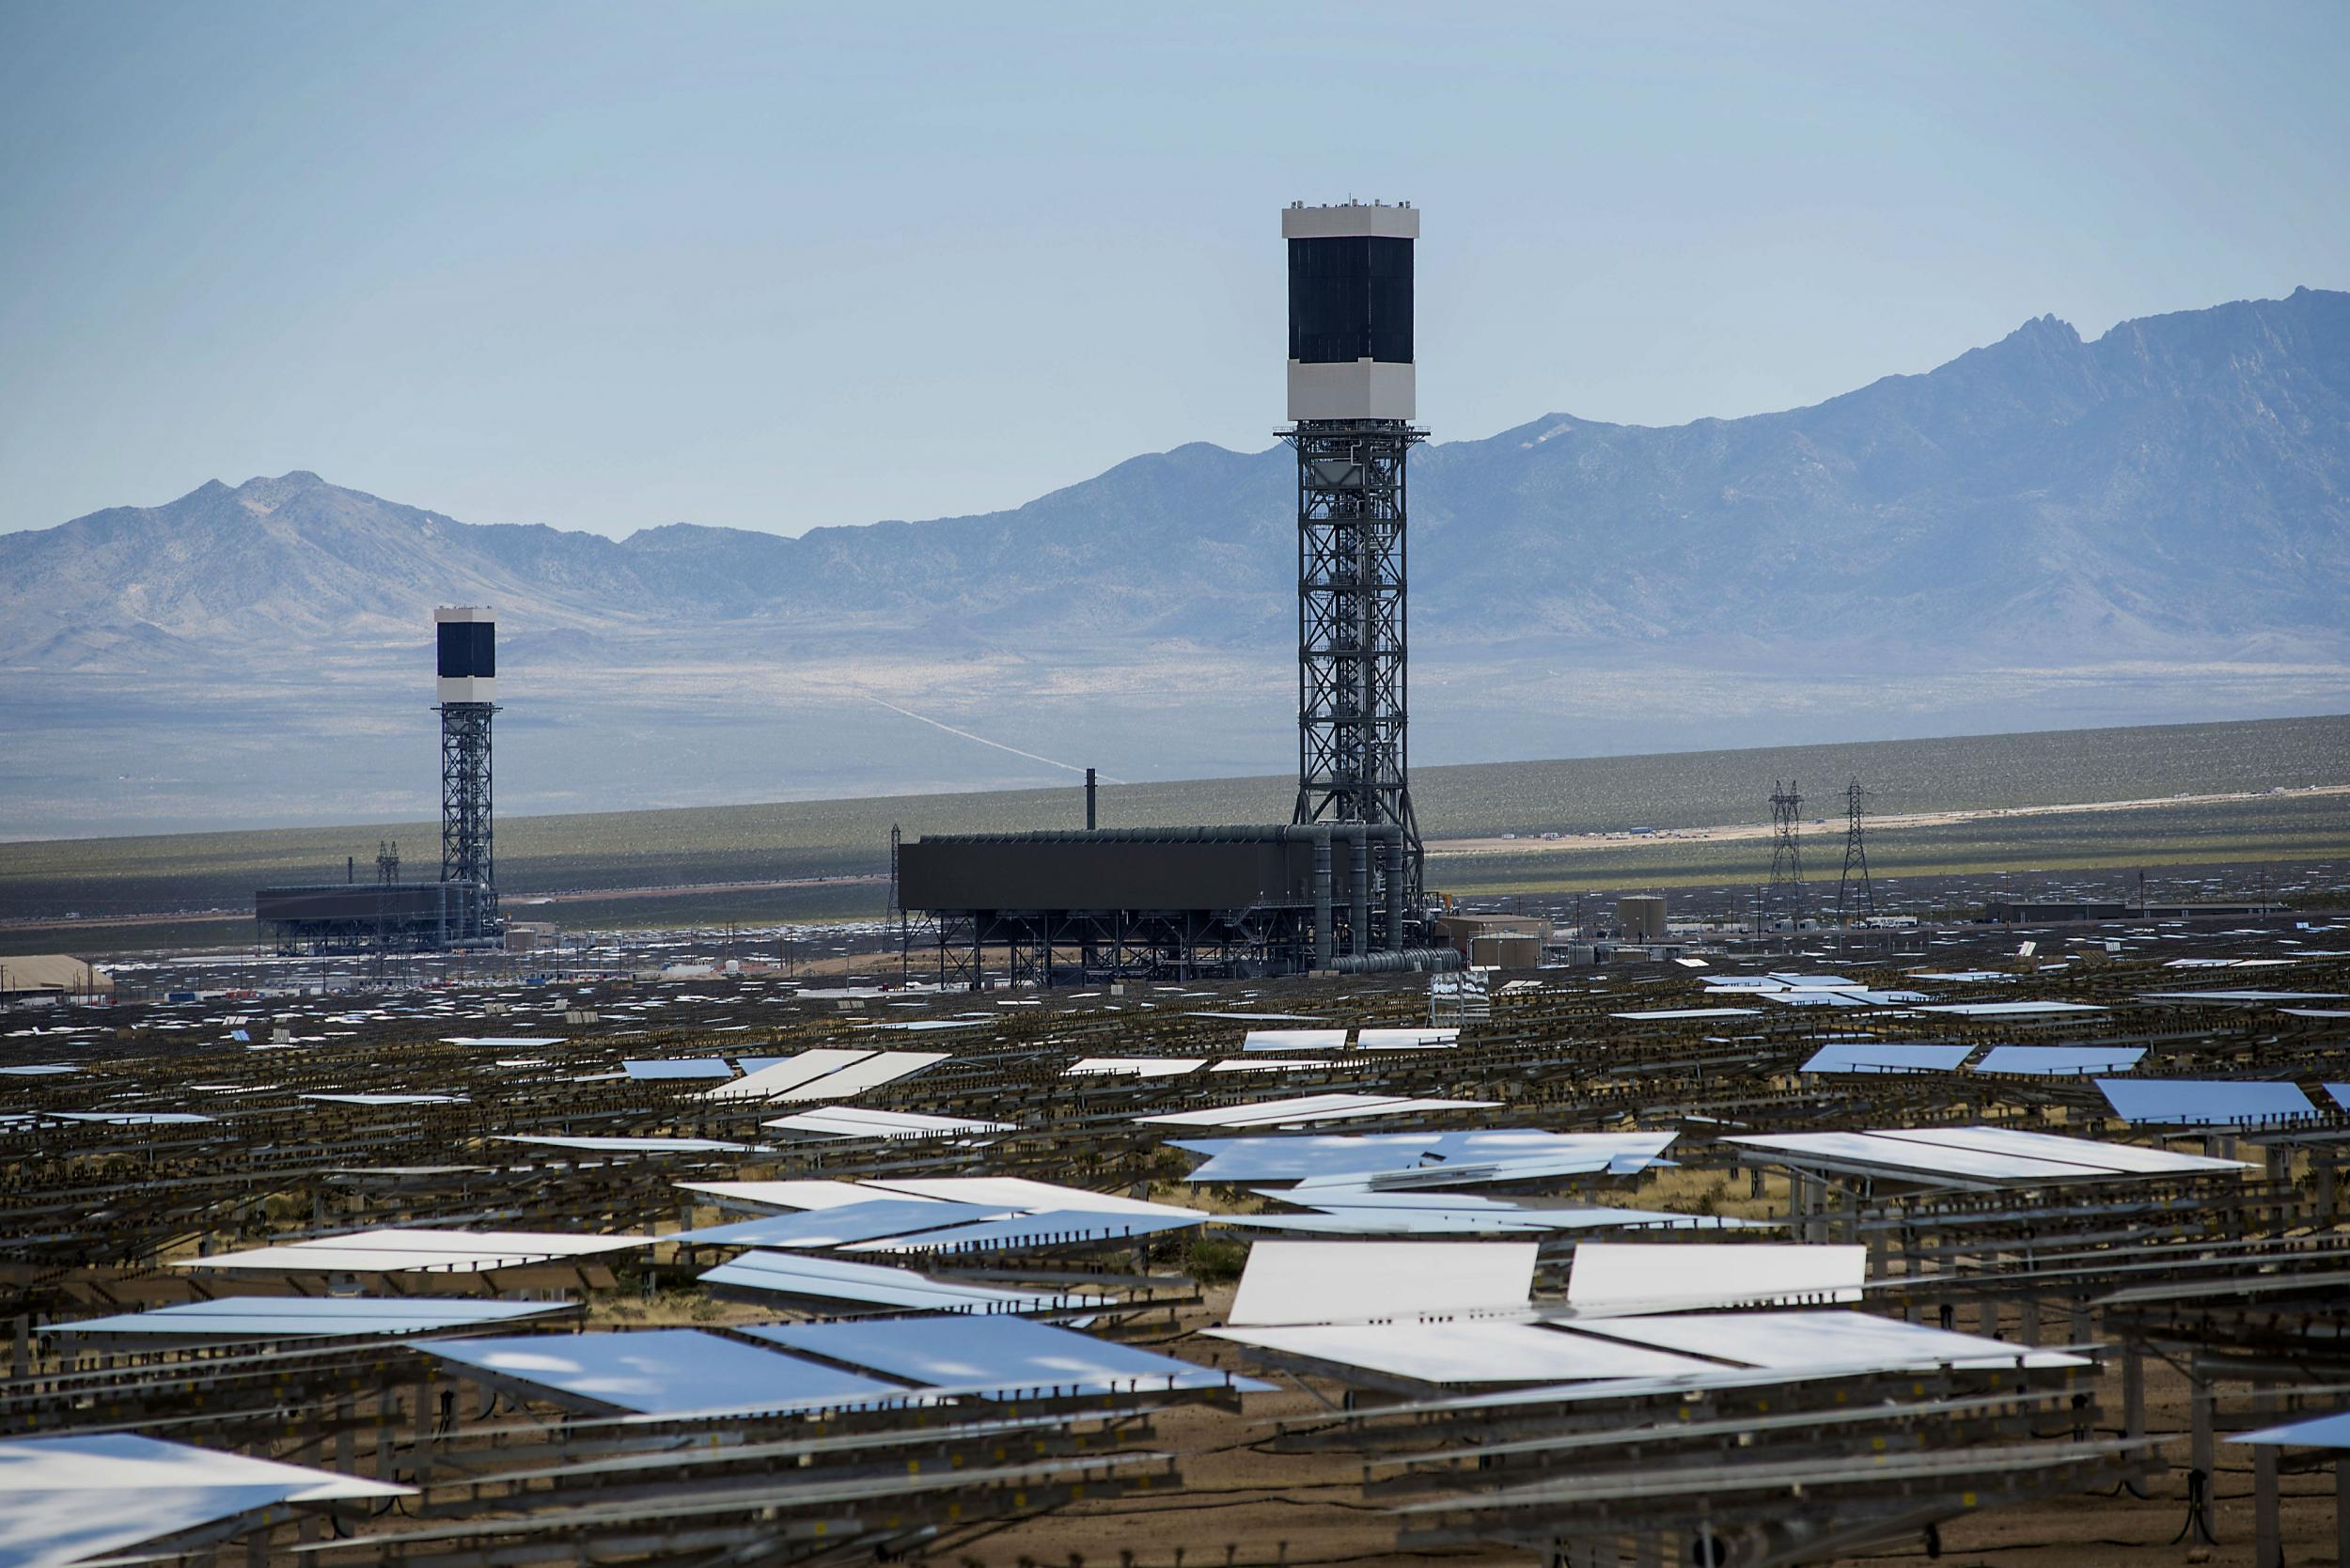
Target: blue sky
781	266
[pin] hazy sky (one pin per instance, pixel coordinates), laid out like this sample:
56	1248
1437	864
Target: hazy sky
779	266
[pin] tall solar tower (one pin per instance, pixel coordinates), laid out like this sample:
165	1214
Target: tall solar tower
467	636
1351	398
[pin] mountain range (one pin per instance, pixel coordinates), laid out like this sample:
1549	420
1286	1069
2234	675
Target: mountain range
2176	492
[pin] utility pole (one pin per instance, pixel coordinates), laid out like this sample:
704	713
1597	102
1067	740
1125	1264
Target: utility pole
905	930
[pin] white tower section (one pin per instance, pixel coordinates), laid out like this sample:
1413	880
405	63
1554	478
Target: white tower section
466	636
1350	311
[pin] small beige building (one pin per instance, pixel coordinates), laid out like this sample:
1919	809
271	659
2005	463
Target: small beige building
30	976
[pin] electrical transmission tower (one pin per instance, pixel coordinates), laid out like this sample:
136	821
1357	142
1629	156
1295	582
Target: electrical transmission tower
386	874
1856	857
1787	849
905	931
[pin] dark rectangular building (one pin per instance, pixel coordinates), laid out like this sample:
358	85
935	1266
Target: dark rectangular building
346	916
973	872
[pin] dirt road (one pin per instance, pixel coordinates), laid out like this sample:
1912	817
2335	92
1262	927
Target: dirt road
1732	832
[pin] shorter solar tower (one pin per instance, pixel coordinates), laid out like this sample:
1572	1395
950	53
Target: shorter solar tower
459	910
467	688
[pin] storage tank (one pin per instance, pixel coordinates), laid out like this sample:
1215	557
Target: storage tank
1642	919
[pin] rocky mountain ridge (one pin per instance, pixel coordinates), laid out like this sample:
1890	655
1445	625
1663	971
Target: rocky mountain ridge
2181	484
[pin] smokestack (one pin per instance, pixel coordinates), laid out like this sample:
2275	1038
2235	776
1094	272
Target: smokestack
1089	792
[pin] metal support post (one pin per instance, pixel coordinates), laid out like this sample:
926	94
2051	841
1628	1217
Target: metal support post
2202	1449
1358	894
2267	1531
1391	927
1324	943
2342	1509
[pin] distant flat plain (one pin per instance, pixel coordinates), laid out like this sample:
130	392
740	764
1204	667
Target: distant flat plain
2268	788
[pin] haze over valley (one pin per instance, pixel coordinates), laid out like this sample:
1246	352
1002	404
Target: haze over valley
2045	532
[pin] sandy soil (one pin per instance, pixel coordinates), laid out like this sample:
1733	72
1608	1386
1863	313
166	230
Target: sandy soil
1734	832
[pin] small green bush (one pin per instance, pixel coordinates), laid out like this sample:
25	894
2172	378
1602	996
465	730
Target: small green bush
1216	1263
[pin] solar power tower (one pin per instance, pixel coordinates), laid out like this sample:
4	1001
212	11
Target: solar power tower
467	636
1351	398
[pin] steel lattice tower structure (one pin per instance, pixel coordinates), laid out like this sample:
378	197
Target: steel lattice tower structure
1856	856
1787	848
1351	398
467	639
